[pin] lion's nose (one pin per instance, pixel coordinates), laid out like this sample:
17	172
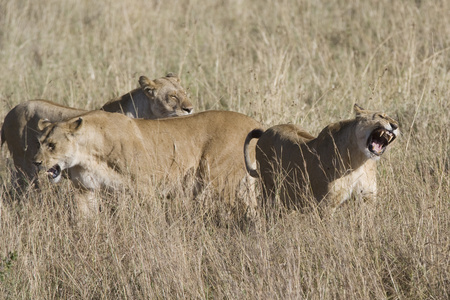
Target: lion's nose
394	126
188	109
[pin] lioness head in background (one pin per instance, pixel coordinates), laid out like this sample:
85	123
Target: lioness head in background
375	131
171	98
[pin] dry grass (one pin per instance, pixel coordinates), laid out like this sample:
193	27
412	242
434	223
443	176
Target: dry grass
303	62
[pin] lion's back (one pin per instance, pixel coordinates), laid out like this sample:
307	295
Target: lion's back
284	141
30	112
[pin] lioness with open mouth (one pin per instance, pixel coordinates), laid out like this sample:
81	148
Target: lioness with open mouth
103	150
338	163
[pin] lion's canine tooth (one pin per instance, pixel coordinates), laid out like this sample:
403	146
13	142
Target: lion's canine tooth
381	133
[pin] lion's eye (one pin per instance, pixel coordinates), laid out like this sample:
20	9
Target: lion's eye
172	100
51	146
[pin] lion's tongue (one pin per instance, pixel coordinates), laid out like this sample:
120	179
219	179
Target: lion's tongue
376	146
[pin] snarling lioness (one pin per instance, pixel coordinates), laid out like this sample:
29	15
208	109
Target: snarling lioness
159	98
103	150
337	164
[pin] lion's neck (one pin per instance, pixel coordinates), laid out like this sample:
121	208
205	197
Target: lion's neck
104	153
137	105
340	140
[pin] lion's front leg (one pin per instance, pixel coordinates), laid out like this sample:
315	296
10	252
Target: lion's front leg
366	187
86	203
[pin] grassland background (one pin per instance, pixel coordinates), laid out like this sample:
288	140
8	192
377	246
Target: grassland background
303	62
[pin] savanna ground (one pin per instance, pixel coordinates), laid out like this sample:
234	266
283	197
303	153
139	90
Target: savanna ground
303	62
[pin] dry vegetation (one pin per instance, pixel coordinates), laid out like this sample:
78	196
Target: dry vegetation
303	62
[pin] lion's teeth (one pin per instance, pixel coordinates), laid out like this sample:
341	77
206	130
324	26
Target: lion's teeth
381	133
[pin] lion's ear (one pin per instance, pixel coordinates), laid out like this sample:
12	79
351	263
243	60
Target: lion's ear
75	125
43	123
358	109
147	84
174	76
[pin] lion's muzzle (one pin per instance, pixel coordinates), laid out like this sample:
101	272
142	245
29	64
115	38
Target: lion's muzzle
379	139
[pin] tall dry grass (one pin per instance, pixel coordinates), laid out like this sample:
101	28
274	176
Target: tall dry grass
303	62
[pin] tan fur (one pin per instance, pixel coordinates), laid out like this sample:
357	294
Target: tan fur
332	167
160	98
207	144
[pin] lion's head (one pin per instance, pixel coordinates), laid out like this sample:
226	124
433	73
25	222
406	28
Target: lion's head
57	147
170	98
374	131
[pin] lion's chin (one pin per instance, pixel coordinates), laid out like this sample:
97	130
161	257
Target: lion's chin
54	173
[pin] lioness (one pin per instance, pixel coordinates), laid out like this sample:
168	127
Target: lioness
159	98
102	150
154	99
340	162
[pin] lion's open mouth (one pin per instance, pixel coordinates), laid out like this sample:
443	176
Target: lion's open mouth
54	172
379	139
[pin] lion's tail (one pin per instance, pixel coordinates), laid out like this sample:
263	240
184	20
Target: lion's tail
249	165
2	138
